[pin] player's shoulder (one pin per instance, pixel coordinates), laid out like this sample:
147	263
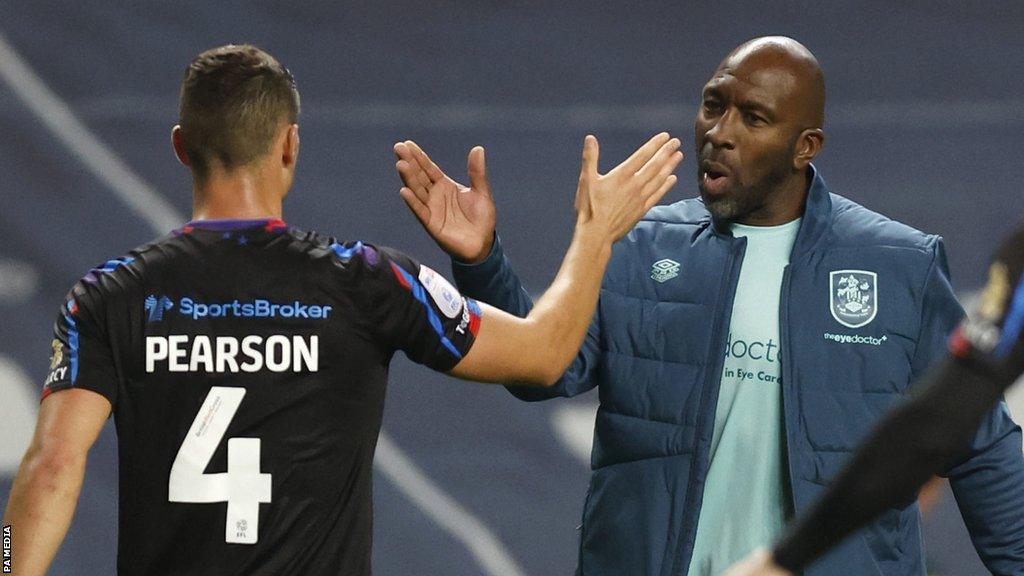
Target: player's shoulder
857	226
119	276
355	258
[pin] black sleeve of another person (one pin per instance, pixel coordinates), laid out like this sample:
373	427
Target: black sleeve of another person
934	429
919	440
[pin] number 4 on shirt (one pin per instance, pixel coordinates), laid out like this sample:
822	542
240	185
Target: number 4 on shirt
243	486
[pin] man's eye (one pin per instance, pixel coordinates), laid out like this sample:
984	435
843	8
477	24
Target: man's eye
712	106
754	119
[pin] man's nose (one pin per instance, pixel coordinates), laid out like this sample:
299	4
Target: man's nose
721	134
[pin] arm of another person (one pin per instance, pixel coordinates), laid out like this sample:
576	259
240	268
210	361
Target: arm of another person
988	481
537	349
462	221
494	281
45	492
917	441
920	439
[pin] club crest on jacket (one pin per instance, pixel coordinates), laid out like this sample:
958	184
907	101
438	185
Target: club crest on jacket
853	297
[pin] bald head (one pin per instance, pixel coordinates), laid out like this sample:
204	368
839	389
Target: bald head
758	129
788	68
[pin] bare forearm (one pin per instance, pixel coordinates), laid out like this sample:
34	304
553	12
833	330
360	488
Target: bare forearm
536	350
41	506
560	318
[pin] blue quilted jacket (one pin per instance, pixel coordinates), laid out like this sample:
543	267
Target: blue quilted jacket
656	348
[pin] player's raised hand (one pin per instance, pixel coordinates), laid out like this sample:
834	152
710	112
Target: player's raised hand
759	563
460	219
617	200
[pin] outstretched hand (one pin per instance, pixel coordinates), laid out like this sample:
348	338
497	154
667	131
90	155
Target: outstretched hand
616	201
460	219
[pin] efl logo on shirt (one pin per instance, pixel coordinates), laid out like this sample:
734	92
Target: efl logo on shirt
853	297
447	298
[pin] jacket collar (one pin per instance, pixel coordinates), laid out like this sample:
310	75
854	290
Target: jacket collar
817	216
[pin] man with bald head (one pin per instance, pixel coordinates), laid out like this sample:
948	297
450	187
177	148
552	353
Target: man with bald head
759	127
745	342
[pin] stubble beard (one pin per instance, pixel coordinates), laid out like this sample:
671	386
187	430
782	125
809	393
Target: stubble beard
743	201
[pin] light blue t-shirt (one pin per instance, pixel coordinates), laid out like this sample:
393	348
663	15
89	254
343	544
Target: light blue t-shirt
746	497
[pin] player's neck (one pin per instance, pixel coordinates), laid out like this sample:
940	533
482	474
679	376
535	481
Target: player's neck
237	195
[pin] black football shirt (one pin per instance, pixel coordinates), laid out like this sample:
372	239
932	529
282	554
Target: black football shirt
246	363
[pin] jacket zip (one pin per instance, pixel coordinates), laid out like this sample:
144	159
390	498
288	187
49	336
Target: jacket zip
709	395
788	382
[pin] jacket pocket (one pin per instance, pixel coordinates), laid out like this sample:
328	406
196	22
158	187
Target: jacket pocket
895	540
631	519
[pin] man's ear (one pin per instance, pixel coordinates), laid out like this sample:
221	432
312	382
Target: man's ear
178	142
290	148
808	146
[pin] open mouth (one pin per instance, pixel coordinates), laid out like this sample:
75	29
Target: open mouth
714	178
